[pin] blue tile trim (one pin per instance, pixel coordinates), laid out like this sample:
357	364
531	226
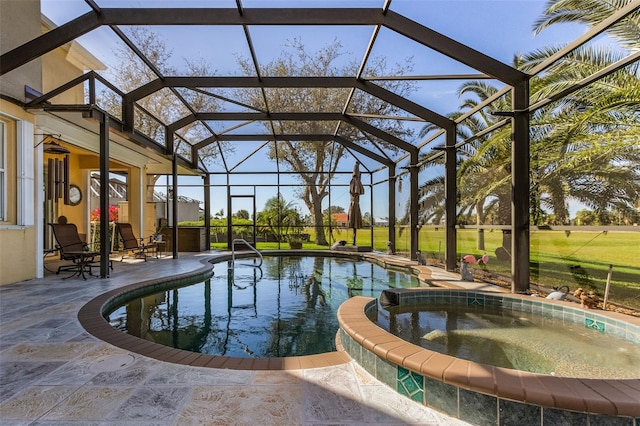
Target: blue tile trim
475	301
462	403
410	384
594	325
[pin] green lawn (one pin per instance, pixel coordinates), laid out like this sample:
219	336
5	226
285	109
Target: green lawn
576	259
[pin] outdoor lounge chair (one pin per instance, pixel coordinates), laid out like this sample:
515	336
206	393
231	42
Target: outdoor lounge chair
72	248
131	244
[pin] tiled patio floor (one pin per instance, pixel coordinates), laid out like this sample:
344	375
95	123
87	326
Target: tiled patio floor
54	373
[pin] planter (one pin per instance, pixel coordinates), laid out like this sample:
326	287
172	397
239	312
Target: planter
295	245
190	238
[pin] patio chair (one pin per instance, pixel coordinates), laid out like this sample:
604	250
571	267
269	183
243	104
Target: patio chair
132	244
72	248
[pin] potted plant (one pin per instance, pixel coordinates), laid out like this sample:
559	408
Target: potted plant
294	221
295	241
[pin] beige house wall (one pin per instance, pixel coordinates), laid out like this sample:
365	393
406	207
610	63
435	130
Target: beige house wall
17	243
21	246
57	71
75	214
20	23
64	64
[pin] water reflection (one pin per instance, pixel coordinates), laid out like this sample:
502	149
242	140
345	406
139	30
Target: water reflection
287	308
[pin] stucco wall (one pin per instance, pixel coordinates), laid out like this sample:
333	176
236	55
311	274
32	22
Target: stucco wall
20	23
58	72
17	243
17	254
75	214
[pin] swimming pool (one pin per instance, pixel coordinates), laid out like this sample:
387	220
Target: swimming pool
285	308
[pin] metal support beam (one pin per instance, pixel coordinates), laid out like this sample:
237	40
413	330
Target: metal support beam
371	201
254	214
49	41
453	49
105	249
249	16
364	151
92	89
229	223
169	142
207	208
392	206
174	204
413	200
262	138
520	238
184	121
42	100
128	115
387	137
404	103
281	82
451	198
135	137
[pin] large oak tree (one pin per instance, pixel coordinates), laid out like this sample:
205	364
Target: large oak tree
315	162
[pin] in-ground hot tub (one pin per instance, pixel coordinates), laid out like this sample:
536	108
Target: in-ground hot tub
487	395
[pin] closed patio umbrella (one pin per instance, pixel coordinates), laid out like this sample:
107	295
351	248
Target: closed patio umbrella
355	190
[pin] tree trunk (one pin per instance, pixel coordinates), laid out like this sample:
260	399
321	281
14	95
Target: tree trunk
314	204
480	221
557	194
504	218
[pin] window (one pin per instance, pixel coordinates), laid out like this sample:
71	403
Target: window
3	172
25	182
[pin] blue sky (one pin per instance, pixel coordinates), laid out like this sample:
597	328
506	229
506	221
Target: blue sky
498	28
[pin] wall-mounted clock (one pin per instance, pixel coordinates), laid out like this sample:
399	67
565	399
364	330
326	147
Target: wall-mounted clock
75	195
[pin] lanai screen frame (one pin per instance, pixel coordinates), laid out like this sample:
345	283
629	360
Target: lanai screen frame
516	81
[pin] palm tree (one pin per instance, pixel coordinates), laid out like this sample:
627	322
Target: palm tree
484	165
591	13
587	142
278	218
584	147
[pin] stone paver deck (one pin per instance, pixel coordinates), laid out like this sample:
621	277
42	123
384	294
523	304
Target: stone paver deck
52	372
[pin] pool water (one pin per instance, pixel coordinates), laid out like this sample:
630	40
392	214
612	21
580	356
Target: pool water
285	308
513	339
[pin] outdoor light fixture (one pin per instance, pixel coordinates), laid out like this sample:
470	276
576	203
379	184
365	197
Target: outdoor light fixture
50	146
54	148
502	113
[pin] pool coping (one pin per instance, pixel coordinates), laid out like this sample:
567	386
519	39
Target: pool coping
92	320
596	396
